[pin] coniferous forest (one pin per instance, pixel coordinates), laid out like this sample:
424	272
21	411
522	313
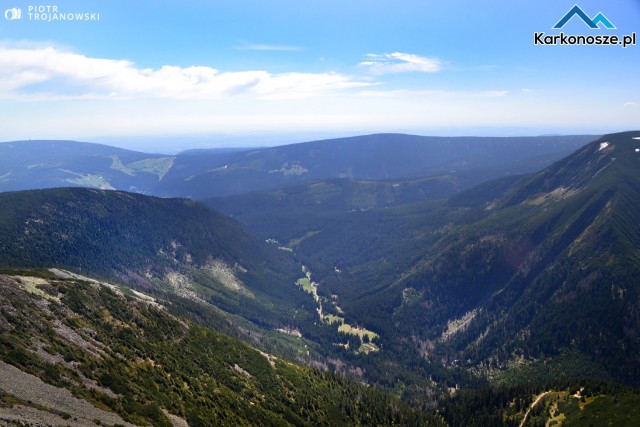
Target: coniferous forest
327	299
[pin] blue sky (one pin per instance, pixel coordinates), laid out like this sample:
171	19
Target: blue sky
167	68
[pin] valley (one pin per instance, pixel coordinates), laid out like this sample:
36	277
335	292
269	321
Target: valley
375	280
366	336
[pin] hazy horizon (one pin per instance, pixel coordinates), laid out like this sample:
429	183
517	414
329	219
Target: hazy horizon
173	144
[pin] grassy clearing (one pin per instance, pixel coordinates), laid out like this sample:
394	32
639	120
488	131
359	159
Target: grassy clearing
94	181
311	287
117	164
305	283
308	285
159	166
354	330
332	318
367	348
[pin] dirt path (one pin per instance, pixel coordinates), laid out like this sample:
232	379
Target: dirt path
535	402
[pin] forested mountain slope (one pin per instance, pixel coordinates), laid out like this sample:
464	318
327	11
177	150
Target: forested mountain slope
165	245
513	271
78	352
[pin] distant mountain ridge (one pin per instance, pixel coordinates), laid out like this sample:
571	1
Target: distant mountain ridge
208	173
27	165
369	157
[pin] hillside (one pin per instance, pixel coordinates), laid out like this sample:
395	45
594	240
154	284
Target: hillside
176	246
507	274
552	269
288	212
574	253
80	352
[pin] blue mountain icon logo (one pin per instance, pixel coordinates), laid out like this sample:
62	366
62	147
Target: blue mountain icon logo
591	22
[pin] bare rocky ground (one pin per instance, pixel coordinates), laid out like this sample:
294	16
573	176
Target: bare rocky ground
46	405
29	401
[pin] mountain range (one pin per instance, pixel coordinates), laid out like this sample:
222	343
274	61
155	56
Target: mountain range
464	280
529	272
463	161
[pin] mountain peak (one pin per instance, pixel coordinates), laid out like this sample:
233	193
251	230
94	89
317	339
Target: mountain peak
591	166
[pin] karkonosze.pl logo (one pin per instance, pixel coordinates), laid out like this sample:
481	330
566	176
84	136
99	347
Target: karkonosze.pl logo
595	23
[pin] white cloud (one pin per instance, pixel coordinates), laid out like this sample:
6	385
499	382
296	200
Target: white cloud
398	62
52	73
630	104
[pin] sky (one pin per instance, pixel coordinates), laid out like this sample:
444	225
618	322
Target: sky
145	70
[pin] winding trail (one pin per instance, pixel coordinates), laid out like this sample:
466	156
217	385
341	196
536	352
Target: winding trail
535	402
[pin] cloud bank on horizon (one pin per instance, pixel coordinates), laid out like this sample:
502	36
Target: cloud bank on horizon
311	67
